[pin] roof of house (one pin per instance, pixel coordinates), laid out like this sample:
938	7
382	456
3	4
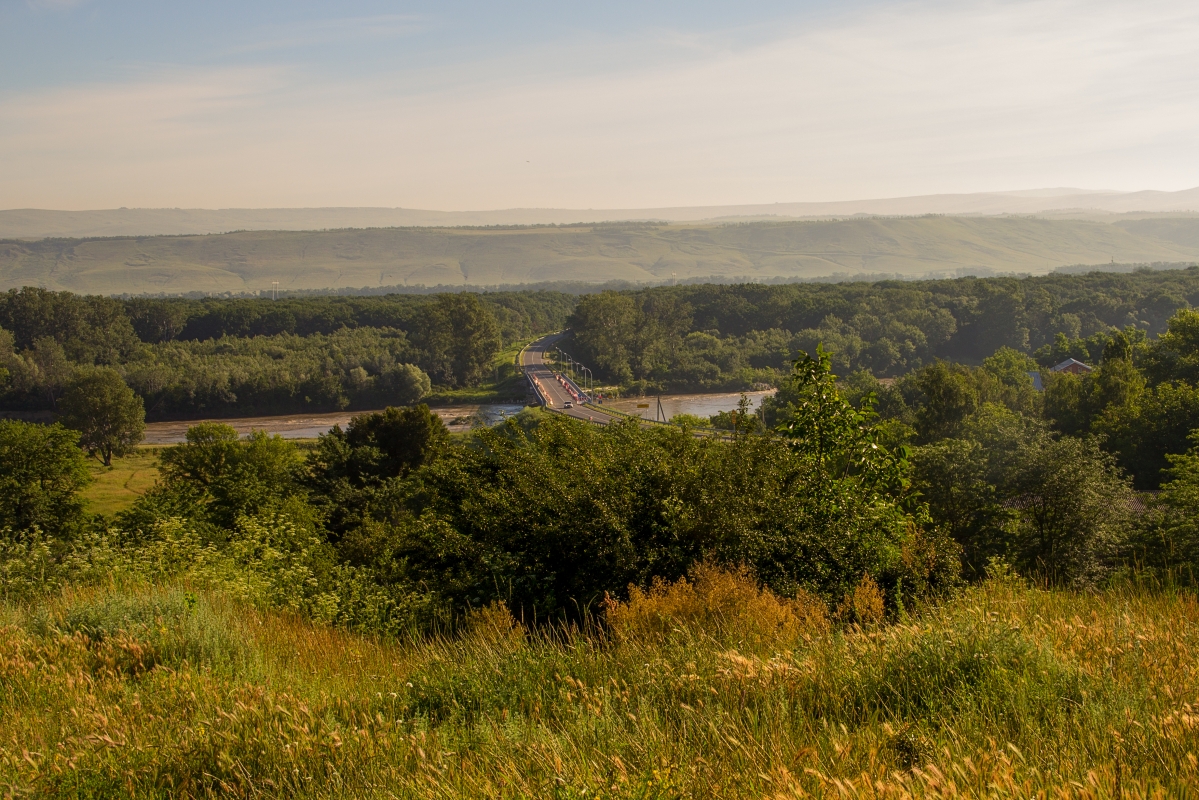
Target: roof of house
1071	362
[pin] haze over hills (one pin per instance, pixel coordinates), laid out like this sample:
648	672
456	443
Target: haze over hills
250	261
37	223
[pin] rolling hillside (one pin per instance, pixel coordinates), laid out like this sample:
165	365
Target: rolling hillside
35	223
252	260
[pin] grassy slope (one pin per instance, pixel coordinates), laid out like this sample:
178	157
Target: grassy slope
115	488
250	261
1006	692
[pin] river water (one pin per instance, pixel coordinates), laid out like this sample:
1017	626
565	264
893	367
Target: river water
457	418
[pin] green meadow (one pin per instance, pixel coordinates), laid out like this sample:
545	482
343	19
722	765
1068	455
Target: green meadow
117	487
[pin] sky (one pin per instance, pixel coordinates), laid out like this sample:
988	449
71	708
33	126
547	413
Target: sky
459	105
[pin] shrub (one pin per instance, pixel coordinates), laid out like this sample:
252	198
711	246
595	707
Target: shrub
725	604
41	469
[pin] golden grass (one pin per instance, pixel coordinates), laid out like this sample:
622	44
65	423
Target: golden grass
715	602
1005	692
117	487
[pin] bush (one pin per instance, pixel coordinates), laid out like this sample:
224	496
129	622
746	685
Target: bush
728	605
41	469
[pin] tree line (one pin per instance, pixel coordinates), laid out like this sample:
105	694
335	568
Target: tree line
709	337
221	357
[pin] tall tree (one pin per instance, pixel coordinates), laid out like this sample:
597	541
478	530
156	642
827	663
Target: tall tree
111	419
1073	509
460	338
603	326
51	366
949	398
404	384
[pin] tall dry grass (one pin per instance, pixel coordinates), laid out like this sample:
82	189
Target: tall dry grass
706	688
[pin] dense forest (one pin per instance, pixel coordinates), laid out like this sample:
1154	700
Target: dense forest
690	338
189	358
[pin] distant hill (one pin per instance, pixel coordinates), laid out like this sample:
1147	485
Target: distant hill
250	261
38	223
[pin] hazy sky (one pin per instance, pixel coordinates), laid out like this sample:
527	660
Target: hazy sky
471	105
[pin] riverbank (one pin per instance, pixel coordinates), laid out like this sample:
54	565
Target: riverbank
700	405
458	418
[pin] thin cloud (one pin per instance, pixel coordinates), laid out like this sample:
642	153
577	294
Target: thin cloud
911	99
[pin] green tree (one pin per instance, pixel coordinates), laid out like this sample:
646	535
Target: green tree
949	398
1171	539
1175	354
504	520
603	325
1008	379
156	321
52	368
350	469
1067	403
953	476
741	420
460	338
41	471
1116	384
108	415
397	440
1058	508
1143	434
217	476
1073	509
404	384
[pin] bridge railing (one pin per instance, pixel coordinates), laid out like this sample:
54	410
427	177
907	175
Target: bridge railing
534	384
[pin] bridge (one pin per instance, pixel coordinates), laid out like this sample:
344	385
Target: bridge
553	389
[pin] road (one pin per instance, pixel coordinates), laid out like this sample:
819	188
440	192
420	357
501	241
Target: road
553	394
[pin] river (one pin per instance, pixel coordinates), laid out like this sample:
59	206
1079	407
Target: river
457	418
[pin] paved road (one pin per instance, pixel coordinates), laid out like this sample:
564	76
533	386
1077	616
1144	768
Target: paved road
533	362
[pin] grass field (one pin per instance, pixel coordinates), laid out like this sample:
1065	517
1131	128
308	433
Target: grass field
115	488
704	690
252	260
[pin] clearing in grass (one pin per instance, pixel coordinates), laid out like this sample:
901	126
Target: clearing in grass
115	488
